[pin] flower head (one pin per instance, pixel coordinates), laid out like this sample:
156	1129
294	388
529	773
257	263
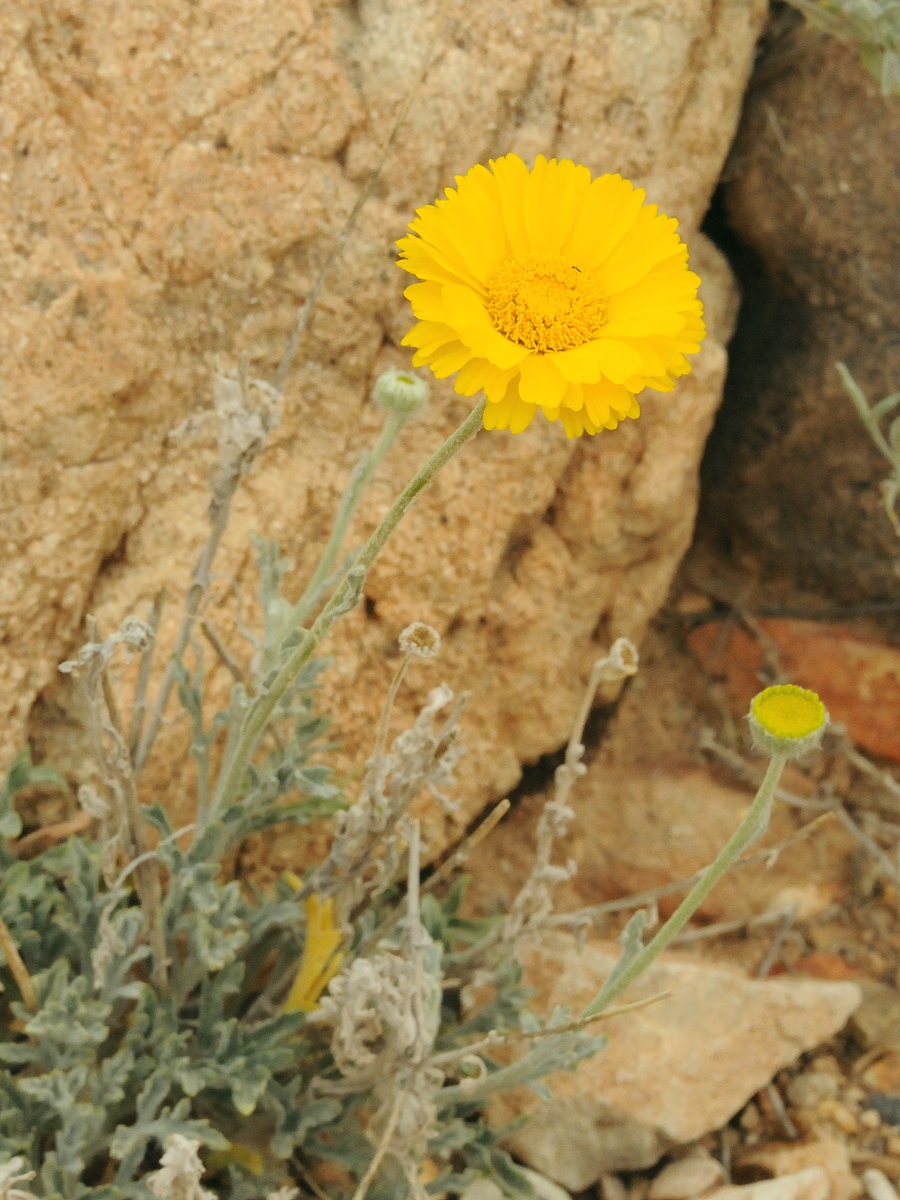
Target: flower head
787	719
181	1170
11	1173
550	290
420	640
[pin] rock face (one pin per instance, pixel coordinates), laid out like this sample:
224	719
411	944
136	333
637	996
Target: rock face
639	827
857	677
671	1072
812	1183
171	185
812	191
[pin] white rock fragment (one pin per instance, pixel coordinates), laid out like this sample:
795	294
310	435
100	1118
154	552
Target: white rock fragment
486	1189
482	1189
671	1072
878	1186
687	1177
810	1184
806	1091
545	1188
612	1188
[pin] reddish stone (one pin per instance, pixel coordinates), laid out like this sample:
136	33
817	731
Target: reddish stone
857	677
827	966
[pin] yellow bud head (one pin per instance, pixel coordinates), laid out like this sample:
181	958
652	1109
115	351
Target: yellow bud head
787	719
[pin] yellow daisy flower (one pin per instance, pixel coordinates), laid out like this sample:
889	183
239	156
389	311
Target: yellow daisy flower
550	290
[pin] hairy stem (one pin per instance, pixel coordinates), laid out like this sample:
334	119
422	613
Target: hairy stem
343	600
359	481
17	968
753	824
219	511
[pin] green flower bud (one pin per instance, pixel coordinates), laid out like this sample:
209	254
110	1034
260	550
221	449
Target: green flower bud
401	392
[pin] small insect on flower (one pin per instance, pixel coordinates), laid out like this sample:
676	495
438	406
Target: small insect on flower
787	719
547	289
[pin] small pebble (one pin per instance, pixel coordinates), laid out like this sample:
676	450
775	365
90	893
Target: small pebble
750	1117
686	1178
806	1091
878	1186
892	1144
612	1188
545	1188
870	1119
887	1107
840	1115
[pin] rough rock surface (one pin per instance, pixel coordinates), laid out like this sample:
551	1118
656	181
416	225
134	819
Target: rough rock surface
858	677
789	1158
671	1072
812	1183
639	827
812	191
171	182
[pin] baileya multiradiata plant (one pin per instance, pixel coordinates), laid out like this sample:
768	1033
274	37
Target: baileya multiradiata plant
169	1032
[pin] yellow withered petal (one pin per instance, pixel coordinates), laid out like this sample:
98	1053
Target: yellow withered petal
321	957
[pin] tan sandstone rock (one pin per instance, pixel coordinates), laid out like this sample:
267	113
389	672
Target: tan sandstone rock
812	1183
687	1177
671	1072
639	827
172	182
811	193
789	1158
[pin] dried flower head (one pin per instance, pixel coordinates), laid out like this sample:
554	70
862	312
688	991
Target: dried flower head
787	719
623	660
11	1173
550	290
402	392
420	640
179	1176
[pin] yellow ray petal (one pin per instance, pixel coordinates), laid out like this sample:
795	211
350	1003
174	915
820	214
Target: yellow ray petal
469	317
540	381
497	381
574	397
650	240
554	194
428	337
449	359
428	262
511	175
610	208
321	958
605	356
472	377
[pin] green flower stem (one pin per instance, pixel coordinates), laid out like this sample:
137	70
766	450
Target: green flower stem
368	463
753	824
343	600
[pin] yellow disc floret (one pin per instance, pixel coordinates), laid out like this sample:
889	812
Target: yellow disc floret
544	303
547	289
787	718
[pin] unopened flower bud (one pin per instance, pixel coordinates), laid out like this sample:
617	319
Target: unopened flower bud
787	719
401	392
420	640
